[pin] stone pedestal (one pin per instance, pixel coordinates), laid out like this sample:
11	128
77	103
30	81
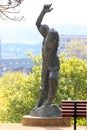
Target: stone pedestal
28	120
46	116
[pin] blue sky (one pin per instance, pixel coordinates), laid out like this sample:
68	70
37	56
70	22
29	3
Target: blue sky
68	17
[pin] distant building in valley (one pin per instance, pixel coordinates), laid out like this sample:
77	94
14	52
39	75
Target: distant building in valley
13	57
68	38
19	50
11	65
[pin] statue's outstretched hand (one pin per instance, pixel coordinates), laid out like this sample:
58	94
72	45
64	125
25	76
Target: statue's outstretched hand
47	8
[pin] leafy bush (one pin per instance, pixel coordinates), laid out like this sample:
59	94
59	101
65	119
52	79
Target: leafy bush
19	93
80	121
73	80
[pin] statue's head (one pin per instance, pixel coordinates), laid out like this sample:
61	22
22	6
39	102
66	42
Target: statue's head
44	29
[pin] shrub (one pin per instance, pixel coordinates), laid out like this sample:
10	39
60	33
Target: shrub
19	93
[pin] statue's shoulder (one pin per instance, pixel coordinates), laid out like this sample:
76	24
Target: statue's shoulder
53	31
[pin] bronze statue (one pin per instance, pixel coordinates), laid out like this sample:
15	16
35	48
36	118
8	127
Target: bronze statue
50	63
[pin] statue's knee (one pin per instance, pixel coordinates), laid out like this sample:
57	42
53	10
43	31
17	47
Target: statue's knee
53	75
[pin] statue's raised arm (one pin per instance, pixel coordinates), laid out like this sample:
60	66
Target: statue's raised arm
43	28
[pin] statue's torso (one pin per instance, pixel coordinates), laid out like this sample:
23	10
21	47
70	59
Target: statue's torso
49	49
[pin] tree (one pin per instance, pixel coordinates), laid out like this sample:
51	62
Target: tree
8	7
19	93
76	48
73	80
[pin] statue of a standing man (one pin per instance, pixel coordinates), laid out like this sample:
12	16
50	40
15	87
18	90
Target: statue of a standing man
50	63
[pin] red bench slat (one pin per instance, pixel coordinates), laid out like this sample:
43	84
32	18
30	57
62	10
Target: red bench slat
72	108
68	108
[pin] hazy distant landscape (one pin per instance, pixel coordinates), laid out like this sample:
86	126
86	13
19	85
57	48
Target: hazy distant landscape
29	34
16	50
27	39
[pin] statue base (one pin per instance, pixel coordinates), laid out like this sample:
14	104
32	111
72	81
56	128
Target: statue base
52	110
28	120
46	116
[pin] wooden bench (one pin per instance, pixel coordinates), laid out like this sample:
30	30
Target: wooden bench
74	109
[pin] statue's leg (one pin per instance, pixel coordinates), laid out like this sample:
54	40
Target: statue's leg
53	85
44	87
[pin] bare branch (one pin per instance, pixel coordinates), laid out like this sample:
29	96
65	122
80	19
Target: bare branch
7	8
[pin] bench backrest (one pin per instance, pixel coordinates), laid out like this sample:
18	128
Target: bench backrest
74	108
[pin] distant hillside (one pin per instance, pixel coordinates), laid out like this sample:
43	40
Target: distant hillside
15	50
20	49
30	33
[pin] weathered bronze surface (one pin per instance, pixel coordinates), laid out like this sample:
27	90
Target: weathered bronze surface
50	63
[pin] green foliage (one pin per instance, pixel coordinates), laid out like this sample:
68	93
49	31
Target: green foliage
80	121
36	59
73	80
19	93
